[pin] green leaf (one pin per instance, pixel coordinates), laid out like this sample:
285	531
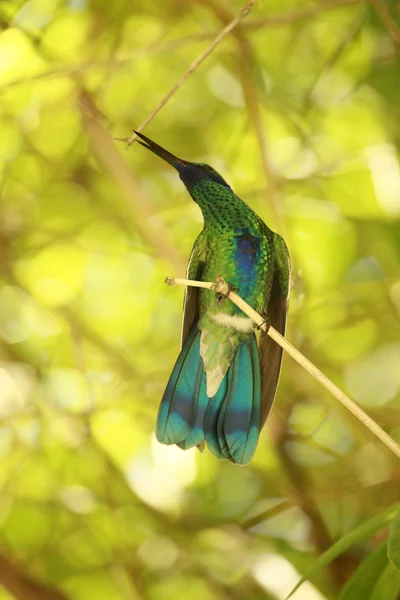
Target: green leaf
394	541
363	531
362	581
388	584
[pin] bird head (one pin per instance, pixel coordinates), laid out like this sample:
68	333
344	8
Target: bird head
190	173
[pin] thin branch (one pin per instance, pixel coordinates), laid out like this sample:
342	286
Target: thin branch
390	24
349	36
319	533
301	14
195	64
300	482
222	287
386	489
253	106
267	514
278	20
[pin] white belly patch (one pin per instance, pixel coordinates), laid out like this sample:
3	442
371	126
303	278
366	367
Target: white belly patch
237	322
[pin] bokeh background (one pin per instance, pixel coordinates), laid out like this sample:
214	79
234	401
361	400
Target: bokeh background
298	108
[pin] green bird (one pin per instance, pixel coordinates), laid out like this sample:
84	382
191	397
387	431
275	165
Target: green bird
223	385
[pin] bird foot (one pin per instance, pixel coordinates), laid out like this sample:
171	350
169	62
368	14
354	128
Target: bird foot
265	323
222	287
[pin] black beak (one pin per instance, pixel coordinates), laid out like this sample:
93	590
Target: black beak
164	154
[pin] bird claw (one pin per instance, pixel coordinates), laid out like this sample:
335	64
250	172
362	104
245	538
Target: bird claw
267	326
222	287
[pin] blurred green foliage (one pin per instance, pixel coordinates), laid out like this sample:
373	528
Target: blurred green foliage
90	505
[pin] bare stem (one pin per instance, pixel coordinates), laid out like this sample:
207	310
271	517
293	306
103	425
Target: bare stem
220	286
196	63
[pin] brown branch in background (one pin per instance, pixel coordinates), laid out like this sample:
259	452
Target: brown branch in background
195	64
342	566
245	59
114	354
388	21
250	93
23	587
348	38
301	14
272	21
9	353
384	489
150	229
280	19
277	509
298	479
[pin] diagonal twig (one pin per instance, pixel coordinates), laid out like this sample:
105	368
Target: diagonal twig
195	64
221	286
300	14
387	20
275	20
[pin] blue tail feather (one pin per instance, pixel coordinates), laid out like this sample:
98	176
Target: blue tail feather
243	412
184	395
196	435
215	442
232	420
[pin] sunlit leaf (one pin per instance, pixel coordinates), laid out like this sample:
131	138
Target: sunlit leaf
388	585
362	532
363	580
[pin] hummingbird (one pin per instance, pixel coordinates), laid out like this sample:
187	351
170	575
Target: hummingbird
223	384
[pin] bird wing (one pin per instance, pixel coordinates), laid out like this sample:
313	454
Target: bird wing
196	264
270	351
